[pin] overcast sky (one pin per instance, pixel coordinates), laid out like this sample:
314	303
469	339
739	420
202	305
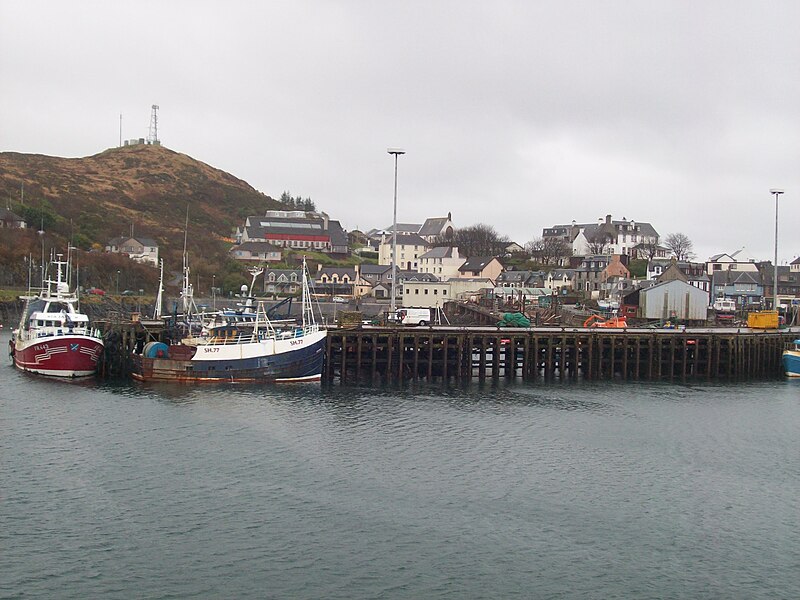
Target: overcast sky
520	115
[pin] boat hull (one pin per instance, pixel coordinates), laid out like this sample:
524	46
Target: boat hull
791	363
60	356
301	362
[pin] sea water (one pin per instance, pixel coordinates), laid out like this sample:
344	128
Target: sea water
548	490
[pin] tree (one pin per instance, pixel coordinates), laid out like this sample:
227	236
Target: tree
597	247
479	240
549	250
680	245
649	248
297	203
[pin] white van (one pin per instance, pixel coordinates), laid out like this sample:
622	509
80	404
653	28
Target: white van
724	305
413	316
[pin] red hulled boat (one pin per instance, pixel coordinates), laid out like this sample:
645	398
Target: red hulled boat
53	337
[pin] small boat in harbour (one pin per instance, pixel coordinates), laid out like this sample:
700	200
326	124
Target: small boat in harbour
791	359
54	338
240	352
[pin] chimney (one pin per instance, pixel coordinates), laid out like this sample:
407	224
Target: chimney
608	219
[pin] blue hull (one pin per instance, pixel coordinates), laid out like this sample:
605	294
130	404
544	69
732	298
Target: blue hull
791	363
303	364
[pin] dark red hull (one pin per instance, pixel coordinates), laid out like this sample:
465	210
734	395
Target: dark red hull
59	356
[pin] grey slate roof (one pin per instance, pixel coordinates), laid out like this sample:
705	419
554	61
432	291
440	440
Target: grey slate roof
367	269
340	271
433	226
7	215
337	233
477	263
293	226
257	246
439	252
408	240
591	229
414	276
143	241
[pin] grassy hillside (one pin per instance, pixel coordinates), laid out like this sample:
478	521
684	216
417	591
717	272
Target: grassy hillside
93	199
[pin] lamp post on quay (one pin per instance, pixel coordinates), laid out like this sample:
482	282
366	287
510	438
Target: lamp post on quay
214	291
397	152
775	192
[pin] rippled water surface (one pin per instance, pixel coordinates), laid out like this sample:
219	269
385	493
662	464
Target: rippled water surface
532	491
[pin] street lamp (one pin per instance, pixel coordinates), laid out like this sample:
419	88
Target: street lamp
775	192
214	291
397	152
117	283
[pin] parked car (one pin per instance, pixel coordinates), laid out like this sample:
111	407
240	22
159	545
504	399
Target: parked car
339	299
96	291
128	293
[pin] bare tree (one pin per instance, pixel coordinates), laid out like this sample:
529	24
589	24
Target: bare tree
479	240
549	250
649	248
597	247
680	245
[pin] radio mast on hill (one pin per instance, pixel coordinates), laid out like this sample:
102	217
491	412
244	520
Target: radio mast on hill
152	136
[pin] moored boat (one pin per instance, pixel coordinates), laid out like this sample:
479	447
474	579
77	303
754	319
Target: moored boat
239	352
54	338
791	359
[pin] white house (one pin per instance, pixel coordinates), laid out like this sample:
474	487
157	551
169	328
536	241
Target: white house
430	294
728	262
256	251
441	261
144	250
604	237
409	249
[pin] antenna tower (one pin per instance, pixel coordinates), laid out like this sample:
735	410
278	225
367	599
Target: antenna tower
152	137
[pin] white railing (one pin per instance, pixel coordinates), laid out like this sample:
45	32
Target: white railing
251	337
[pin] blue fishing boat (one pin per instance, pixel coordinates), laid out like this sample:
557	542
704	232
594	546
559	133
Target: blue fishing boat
791	359
230	351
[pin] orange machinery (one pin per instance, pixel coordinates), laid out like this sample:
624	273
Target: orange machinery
612	322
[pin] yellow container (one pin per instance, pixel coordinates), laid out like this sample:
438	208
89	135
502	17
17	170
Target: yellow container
766	319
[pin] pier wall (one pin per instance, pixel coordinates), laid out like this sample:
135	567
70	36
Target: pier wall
542	354
535	354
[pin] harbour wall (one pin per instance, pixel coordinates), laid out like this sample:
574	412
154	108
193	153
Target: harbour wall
371	353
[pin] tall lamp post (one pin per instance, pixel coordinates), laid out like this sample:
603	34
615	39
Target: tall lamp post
214	291
117	283
775	192
397	152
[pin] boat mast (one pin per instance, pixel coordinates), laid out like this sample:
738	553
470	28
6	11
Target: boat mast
159	296
308	311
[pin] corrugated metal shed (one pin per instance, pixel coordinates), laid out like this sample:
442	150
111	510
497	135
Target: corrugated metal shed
673	299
